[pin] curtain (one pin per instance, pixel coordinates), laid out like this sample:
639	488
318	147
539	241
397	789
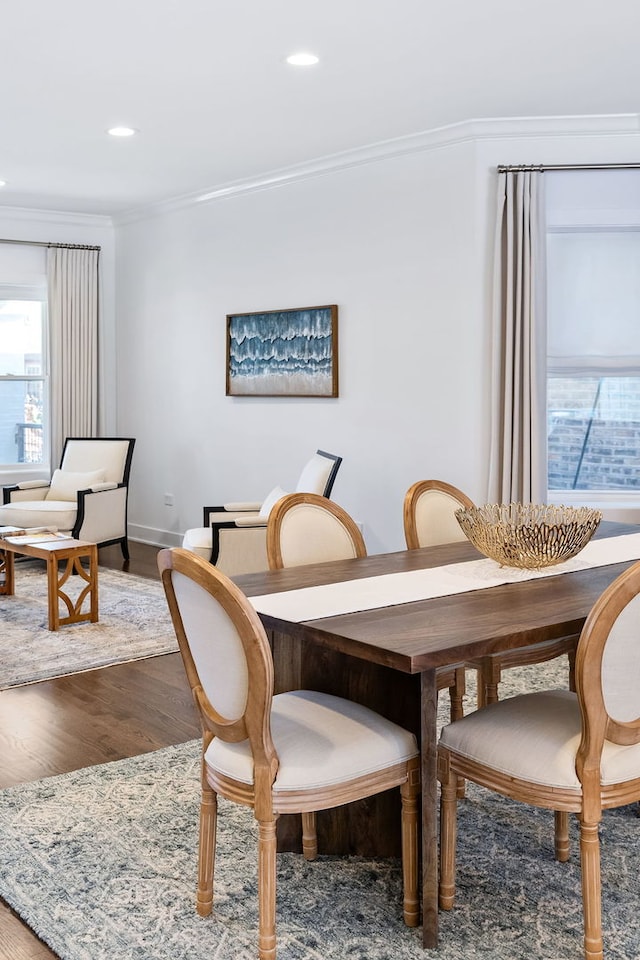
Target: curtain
72	278
518	457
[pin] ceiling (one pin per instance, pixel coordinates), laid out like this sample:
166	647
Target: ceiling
206	84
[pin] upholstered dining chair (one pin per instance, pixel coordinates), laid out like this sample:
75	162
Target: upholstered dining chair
295	752
575	752
87	495
234	534
429	519
304	528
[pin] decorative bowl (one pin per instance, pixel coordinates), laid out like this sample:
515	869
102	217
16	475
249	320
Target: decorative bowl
528	535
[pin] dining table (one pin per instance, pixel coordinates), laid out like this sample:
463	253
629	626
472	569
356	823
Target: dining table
383	646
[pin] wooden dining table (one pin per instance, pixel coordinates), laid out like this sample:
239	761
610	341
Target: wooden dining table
386	658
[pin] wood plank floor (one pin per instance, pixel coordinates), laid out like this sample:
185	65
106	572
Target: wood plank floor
89	718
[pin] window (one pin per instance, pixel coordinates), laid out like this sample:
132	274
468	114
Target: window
593	341
23	377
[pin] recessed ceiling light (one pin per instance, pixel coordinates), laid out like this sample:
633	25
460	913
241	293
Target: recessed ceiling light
302	59
3	183
122	131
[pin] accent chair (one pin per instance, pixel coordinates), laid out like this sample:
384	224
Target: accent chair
234	535
87	495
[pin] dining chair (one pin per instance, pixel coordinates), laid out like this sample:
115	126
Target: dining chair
295	752
304	528
429	519
307	528
576	752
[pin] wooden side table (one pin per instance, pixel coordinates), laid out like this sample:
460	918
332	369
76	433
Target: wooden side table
63	558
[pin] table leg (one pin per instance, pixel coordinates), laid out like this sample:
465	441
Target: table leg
428	712
52	591
93	581
57	587
7	578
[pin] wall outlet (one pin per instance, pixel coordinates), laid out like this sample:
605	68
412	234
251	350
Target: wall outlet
168	499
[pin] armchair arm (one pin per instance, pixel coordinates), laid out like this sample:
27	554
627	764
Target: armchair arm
226	508
102	513
251	521
27	490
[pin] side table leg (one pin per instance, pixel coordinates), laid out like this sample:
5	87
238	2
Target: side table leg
52	591
93	581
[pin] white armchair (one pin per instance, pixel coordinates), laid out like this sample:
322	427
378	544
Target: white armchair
234	535
87	495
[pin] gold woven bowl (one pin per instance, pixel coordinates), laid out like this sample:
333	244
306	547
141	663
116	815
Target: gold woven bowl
528	535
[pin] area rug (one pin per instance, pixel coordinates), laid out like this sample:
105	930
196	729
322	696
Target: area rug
101	864
134	623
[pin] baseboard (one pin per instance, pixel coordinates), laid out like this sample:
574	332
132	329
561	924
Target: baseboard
154	537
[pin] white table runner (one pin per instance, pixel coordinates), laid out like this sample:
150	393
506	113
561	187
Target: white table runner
351	596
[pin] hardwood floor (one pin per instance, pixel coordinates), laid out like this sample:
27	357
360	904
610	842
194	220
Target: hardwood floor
89	718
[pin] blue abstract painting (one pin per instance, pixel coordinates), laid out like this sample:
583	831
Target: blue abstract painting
287	353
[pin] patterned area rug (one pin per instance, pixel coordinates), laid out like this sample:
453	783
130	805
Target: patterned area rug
134	623
101	864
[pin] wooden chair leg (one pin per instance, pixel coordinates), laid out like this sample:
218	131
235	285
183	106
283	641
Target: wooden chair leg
267	889
561	818
206	850
409	797
489	674
572	669
456	694
448	835
591	890
309	836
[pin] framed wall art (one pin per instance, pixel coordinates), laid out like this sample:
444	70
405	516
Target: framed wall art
283	353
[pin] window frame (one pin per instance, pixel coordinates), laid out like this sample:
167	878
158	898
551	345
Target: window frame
593	367
32	291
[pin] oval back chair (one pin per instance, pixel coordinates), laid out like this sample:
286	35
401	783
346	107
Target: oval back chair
294	752
306	528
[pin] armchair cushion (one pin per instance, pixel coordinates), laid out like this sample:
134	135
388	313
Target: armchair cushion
66	483
270	501
39	513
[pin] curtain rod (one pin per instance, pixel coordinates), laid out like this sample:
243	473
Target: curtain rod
514	167
42	243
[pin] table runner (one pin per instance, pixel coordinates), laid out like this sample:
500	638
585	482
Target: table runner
387	590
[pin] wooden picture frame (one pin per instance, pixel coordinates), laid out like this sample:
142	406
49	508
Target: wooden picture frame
283	353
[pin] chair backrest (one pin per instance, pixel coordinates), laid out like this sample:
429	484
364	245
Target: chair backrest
110	454
307	528
608	673
225	652
319	474
429	514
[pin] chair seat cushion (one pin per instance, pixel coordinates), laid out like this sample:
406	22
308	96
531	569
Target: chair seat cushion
320	740
535	737
38	513
198	540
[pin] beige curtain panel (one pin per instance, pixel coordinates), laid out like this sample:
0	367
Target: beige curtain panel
73	322
518	460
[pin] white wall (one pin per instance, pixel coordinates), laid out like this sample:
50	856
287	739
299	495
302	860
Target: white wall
19	262
392	243
404	247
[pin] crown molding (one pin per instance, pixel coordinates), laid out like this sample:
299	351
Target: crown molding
29	215
468	131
